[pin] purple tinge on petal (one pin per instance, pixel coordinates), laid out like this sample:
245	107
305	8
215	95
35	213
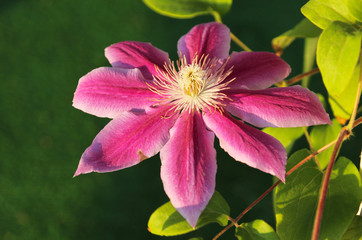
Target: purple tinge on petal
212	39
278	107
139	55
247	144
256	70
188	167
127	140
106	92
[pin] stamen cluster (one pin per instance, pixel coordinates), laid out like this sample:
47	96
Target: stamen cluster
193	86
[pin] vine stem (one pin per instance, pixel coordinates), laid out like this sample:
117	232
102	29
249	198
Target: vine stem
359	89
309	140
345	131
301	76
356	123
240	43
307	137
272	187
324	187
217	18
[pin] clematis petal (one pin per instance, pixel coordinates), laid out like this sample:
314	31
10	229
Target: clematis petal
189	166
278	107
127	140
247	144
139	55
212	39
256	70
106	92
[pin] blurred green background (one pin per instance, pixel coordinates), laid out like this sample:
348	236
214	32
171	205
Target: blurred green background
45	47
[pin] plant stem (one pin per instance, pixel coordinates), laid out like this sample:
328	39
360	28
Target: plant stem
357	122
239	42
309	53
217	18
273	186
309	140
345	131
301	76
235	222
359	89
324	187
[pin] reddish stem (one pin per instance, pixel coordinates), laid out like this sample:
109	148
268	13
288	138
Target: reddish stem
301	76
324	187
356	123
271	189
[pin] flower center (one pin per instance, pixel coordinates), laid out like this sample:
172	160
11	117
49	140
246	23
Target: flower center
192	86
191	79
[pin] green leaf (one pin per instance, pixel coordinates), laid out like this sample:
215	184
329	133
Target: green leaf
355	8
196	238
337	55
323	12
354	231
166	221
189	8
342	105
321	136
255	230
287	136
304	29
296	201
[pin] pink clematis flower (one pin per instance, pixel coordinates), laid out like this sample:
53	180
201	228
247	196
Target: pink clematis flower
176	110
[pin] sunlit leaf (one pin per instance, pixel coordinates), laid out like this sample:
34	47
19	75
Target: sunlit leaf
304	29
355	8
166	221
321	136
337	55
189	8
296	201
287	136
323	12
354	231
255	230
342	106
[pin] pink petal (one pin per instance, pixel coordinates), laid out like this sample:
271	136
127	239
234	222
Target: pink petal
247	144
106	92
256	70
212	39
278	107
189	166
137	55
127	140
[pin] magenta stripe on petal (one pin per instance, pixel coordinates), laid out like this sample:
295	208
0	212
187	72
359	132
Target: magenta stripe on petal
256	70
106	92
278	107
139	55
247	144
127	140
188	167
212	39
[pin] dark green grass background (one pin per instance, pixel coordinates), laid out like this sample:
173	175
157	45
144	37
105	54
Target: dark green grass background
45	47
